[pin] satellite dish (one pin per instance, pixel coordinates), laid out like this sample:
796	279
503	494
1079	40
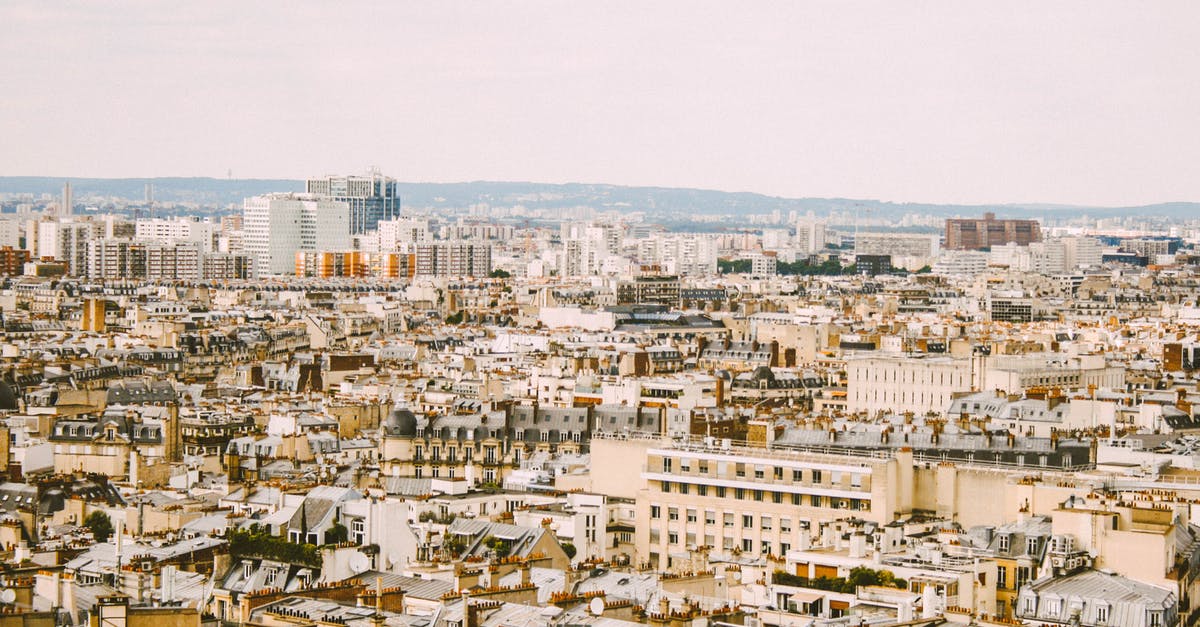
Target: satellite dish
8	595
595	606
359	563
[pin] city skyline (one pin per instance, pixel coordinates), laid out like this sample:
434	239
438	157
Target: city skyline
1075	103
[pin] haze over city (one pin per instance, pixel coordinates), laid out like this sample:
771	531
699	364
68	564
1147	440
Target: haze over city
965	102
599	314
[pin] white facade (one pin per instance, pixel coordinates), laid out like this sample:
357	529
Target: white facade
686	255
905	384
811	236
277	226
961	263
11	231
172	231
394	234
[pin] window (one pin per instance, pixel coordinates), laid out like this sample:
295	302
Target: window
702	490
797	475
1002	577
1022	575
758	472
758	495
1002	542
667	464
785	525
358	531
739	493
747	545
655	511
795	499
778	473
1156	619
673	538
672	513
747	521
721	492
691	515
683	488
272	573
765	523
703	466
710	517
728	520
1031	545
1102	613
816	500
777	497
816	476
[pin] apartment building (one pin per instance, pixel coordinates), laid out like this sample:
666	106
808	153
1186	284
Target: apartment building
742	500
463	258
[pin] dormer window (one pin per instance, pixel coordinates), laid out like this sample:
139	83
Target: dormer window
247	570
1002	542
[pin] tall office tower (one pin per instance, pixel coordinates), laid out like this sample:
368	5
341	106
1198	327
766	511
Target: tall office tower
68	205
979	234
371	198
149	193
277	226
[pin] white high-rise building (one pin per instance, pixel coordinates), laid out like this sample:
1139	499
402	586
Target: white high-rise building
688	254
1082	252
810	236
393	234
277	226
67	240
176	230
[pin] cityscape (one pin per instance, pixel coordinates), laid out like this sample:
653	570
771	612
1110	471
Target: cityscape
374	396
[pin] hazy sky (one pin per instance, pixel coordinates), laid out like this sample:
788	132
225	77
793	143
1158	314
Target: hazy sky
958	101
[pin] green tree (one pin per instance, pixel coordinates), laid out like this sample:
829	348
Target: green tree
569	549
500	274
337	534
100	525
500	547
455	318
734	266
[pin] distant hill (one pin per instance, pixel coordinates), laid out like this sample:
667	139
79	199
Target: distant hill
655	201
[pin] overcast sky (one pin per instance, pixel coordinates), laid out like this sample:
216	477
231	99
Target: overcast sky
1092	102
